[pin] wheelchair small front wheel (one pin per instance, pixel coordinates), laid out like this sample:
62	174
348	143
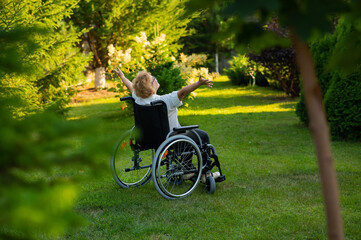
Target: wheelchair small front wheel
210	185
130	167
177	167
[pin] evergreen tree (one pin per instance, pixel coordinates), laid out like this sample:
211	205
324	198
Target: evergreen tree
54	66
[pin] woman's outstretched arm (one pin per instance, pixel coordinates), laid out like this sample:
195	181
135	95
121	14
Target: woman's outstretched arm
190	88
126	82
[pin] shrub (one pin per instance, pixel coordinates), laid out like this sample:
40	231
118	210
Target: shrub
343	106
168	76
191	67
238	72
321	51
281	69
261	79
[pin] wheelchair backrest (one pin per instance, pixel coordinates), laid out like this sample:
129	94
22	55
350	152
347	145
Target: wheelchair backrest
152	123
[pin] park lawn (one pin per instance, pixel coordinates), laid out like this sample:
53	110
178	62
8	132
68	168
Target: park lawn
272	188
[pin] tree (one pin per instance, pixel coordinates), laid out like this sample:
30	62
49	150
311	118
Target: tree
204	38
51	61
118	22
302	18
35	200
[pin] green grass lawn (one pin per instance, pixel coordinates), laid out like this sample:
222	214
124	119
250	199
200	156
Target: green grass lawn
272	190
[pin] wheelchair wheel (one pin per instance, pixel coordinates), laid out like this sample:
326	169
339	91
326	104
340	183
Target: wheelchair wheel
177	167
210	185
130	167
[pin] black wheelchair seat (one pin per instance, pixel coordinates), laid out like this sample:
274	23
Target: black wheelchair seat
152	124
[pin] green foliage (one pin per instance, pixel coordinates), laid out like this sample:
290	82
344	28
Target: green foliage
37	58
118	22
343	106
261	79
206	37
16	43
243	70
169	77
345	57
50	61
321	49
192	66
301	110
246	20
325	51
237	73
281	68
36	200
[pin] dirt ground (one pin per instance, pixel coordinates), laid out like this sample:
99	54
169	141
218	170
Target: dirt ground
86	93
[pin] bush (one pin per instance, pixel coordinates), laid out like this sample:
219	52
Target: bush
343	106
321	52
168	76
261	80
238	72
281	68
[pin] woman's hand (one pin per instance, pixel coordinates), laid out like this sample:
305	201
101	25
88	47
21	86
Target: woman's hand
203	81
126	82
190	88
119	72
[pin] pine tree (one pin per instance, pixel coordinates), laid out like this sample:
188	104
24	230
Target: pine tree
55	64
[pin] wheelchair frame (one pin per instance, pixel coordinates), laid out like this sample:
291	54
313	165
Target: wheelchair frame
175	172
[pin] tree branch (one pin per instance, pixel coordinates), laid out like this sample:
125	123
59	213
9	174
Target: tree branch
94	48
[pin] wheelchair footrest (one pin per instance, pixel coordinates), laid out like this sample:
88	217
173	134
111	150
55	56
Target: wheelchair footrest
221	178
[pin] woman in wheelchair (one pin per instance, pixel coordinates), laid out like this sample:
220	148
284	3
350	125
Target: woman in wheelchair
144	93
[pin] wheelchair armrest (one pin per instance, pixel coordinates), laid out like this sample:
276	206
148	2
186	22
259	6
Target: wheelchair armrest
127	98
183	129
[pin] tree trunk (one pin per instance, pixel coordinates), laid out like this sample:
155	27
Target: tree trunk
217	63
90	76
320	132
99	81
252	74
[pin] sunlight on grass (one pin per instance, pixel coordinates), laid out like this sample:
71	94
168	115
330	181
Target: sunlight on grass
275	107
233	92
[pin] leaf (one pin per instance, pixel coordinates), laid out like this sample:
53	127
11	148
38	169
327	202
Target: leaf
123	106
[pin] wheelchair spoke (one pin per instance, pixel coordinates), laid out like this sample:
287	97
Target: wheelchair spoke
183	157
130	168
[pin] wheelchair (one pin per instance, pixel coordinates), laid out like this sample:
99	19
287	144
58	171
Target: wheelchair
150	151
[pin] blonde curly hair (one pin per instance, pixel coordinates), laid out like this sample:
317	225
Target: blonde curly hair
142	85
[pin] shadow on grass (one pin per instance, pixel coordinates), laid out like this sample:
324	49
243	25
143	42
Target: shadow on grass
111	111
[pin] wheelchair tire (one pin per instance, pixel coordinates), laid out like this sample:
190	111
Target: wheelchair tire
177	167
210	185
129	171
